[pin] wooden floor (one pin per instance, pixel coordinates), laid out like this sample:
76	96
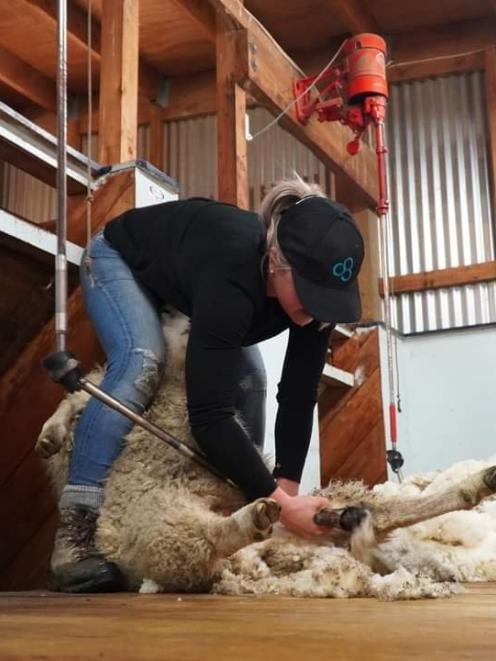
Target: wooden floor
40	625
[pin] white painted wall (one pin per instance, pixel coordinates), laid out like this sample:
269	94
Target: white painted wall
448	395
273	352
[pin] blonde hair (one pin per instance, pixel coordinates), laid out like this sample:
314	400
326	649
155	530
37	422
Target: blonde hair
283	195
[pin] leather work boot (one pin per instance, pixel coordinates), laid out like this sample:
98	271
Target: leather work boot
76	565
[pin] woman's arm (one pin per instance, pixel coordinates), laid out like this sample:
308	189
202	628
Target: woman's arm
213	363
297	395
288	486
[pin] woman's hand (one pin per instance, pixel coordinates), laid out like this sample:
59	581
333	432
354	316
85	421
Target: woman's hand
289	486
298	511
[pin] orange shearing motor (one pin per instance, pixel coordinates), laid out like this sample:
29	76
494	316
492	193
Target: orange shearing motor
352	89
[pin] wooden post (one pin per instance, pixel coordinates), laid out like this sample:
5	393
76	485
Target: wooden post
118	114
367	221
368	279
157	138
491	116
231	112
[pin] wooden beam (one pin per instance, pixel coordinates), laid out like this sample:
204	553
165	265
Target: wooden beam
77	19
355	15
447	39
268	79
191	96
441	66
47	120
202	15
27	81
232	171
448	48
490	75
441	278
118	112
313	61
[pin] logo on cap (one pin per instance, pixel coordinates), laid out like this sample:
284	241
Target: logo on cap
343	270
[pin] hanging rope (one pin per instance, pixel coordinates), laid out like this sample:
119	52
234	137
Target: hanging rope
295	101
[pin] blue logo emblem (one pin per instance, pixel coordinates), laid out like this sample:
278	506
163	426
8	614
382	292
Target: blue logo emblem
343	270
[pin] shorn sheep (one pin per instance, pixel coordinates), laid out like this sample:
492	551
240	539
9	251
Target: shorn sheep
172	526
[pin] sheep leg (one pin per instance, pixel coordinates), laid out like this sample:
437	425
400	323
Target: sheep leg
465	495
251	523
57	427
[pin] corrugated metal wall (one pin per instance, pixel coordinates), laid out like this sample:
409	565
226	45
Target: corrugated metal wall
192	157
440	195
440	198
26	196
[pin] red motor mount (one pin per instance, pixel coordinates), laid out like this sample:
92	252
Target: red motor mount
354	92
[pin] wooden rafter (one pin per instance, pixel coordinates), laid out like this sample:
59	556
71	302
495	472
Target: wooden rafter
428	52
202	15
313	61
195	95
355	15
148	77
441	278
448	39
29	82
441	66
76	21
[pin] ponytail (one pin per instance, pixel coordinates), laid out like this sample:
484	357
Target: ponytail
283	195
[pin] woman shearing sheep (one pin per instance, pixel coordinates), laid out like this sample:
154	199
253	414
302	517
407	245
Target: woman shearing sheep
241	278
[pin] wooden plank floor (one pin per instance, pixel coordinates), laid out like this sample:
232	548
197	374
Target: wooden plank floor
40	625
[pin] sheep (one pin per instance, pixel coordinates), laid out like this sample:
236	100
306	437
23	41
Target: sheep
172	526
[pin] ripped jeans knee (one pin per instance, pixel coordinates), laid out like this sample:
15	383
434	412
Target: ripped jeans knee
148	379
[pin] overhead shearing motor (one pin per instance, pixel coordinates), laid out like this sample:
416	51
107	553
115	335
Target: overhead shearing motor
353	90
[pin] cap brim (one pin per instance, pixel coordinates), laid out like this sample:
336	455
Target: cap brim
338	306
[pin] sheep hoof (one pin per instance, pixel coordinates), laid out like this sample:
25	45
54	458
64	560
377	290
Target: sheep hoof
265	512
46	446
489	478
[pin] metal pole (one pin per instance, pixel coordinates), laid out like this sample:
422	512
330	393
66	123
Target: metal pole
394	457
61	258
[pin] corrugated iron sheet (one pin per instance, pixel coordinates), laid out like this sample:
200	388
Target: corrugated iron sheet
27	197
192	157
440	198
439	188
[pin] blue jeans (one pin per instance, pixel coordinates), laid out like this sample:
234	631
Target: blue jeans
128	326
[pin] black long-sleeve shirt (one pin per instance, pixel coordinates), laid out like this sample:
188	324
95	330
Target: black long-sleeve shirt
204	258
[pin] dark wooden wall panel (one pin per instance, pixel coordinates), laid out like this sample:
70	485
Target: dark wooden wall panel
27	296
28	398
352	444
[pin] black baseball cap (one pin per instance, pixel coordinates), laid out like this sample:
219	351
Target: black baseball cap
324	247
